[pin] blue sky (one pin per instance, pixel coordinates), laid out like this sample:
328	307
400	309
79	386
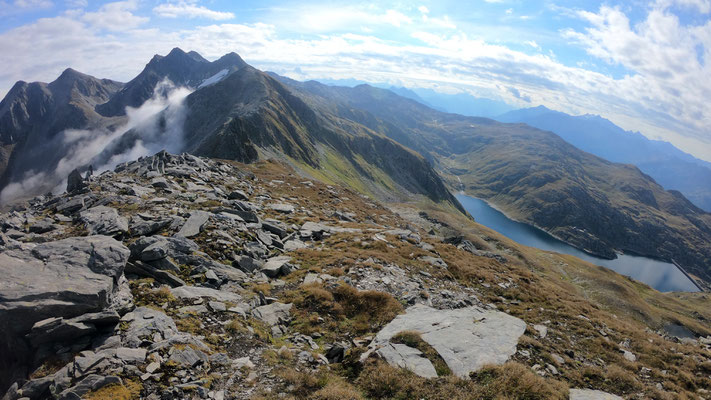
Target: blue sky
642	64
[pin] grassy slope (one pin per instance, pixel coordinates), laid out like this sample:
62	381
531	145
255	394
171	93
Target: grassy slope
589	310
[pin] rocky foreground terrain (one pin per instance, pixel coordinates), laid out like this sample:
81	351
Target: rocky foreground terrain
177	277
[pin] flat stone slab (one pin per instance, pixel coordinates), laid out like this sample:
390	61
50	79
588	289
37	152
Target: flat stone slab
273	314
193	292
409	358
589	394
103	220
466	338
193	226
282	208
276	266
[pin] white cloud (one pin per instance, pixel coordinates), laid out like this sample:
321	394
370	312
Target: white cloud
424	9
396	18
76	3
703	6
116	16
32	3
187	10
533	44
23	6
669	78
322	19
665	97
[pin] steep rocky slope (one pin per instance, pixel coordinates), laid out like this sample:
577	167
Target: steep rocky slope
536	177
188	277
33	114
249	115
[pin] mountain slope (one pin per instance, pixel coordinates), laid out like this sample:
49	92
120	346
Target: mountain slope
235	112
537	177
126	298
33	114
669	166
249	114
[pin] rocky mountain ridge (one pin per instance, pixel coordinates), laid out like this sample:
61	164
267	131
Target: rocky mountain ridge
235	112
176	276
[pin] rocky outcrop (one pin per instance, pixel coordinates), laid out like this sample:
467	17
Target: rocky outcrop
466	338
47	288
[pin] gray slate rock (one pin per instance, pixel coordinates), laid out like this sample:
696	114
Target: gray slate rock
43	226
589	394
160	183
188	357
282	208
238	195
131	355
273	314
466	338
75	182
193	226
277	266
145	322
88	384
247	264
103	220
196	292
70	206
276	227
64	278
409	358
146	270
141	227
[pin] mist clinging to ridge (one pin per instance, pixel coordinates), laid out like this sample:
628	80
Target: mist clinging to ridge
156	125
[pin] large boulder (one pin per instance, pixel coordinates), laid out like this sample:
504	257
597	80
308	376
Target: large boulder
465	338
61	279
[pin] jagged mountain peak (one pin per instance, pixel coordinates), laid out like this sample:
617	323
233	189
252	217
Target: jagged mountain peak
231	59
181	68
196	56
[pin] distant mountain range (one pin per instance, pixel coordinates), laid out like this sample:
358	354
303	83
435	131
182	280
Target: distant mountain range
535	176
456	103
367	138
669	166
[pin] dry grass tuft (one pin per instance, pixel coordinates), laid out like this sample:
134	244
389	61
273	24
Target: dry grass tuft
337	389
130	390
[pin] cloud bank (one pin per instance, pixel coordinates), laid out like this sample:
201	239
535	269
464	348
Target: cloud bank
662	92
